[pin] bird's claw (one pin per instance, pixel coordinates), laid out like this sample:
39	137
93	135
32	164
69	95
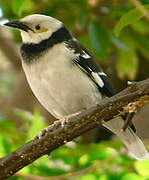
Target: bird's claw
41	133
64	121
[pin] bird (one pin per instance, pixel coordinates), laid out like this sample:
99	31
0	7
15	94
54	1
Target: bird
65	77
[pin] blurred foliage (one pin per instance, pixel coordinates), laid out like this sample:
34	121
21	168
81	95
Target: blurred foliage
105	29
104	161
129	18
6	81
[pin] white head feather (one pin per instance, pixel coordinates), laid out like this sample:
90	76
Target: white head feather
47	24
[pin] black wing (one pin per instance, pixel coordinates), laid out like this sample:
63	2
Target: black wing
88	64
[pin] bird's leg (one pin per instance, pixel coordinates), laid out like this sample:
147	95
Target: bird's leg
128	120
41	133
65	119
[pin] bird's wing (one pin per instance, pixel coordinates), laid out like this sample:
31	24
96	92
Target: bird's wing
92	68
89	65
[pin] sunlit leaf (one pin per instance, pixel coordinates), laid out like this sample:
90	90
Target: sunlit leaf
36	126
103	177
83	159
140	26
129	18
87	177
25	170
132	176
99	39
142	167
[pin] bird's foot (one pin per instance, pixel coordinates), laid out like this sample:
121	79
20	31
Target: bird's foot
41	133
65	119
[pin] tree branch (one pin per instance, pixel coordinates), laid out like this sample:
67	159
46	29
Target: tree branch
133	97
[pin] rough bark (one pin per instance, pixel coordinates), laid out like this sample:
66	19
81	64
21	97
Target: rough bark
132	98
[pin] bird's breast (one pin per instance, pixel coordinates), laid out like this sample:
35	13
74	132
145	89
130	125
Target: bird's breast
61	86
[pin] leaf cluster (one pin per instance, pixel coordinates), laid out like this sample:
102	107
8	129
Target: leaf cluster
101	161
98	25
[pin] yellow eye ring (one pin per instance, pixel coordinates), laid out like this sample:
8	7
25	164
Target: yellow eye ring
39	29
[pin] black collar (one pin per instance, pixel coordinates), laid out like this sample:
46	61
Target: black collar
31	51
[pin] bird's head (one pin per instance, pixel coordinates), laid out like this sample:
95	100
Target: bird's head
35	28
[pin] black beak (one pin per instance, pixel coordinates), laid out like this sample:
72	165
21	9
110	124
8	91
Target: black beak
18	25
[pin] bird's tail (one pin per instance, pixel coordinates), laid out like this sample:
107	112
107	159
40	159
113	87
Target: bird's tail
133	143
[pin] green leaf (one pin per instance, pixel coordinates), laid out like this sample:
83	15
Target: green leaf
142	167
87	177
18	6
140	27
25	170
127	63
6	146
83	159
103	177
99	39
129	18
143	45
36	126
132	176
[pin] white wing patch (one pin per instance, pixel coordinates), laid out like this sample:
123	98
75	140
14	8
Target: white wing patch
97	79
85	55
102	74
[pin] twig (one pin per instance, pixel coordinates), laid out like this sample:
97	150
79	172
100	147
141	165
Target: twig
57	135
141	8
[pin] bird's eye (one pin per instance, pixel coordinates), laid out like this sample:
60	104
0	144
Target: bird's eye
37	27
